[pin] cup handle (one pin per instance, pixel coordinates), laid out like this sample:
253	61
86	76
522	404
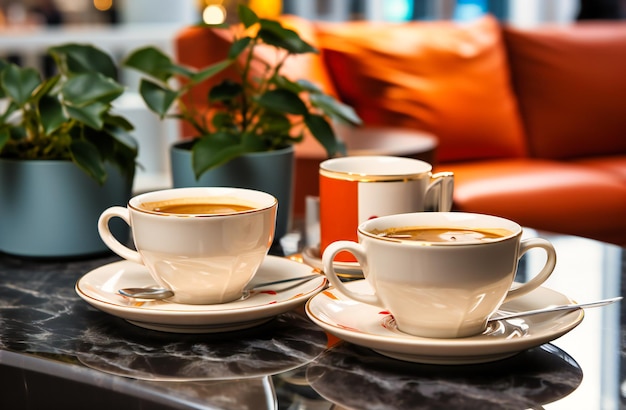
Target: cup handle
543	275
110	240
359	253
442	184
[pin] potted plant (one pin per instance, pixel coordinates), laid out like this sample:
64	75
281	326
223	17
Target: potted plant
64	155
255	117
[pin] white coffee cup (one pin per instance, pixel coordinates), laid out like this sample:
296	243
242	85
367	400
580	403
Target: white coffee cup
205	256
448	285
355	189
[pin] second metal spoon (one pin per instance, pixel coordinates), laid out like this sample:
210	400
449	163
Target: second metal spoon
571	306
161	293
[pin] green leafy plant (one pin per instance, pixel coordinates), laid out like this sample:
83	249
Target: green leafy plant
67	116
258	112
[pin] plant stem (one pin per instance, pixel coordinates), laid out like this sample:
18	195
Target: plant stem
246	119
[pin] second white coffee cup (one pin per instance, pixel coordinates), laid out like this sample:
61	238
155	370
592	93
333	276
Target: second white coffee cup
440	274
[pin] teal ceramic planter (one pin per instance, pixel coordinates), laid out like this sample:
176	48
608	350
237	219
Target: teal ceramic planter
270	172
51	208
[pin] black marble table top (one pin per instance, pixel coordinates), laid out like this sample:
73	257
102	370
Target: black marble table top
56	351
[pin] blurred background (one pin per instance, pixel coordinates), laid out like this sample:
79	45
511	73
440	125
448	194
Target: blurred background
23	13
29	27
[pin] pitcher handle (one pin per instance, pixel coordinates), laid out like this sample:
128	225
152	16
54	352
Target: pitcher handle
443	184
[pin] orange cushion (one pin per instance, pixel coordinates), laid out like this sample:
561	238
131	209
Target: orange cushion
448	79
544	194
308	66
571	87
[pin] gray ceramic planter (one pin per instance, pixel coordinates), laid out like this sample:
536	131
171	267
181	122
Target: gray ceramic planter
271	172
51	208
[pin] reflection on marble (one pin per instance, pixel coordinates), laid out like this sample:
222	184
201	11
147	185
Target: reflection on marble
352	377
116	347
245	394
42	317
42	390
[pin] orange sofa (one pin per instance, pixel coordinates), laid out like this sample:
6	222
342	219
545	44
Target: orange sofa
531	121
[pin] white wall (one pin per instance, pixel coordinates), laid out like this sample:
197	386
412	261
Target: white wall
528	13
158	11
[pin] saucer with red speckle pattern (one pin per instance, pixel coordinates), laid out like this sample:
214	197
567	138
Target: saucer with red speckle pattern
372	327
99	288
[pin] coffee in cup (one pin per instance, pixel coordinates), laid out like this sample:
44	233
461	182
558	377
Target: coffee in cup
205	244
440	274
426	234
193	206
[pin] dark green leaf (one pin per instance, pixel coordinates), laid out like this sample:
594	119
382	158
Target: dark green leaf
52	114
210	71
157	98
247	16
252	143
83	58
334	108
19	83
274	34
3	64
17	132
282	100
213	150
115	145
103	141
86	156
90	87
122	137
223	120
155	63
91	115
283	82
323	132
5	135
275	123
238	47
225	91
125	159
306	85
118	121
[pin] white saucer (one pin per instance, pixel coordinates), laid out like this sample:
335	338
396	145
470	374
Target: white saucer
351	270
99	288
370	326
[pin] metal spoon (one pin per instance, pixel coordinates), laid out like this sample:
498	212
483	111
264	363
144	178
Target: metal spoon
161	293
571	306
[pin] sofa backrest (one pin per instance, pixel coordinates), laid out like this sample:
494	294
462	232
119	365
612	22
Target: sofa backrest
443	77
571	87
198	47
